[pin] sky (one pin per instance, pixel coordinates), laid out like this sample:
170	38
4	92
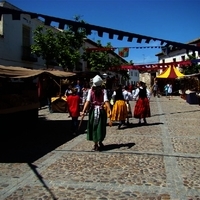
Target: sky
173	20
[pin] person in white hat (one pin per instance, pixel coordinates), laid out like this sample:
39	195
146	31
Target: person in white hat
96	126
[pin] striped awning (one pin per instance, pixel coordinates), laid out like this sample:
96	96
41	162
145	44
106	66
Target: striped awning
171	72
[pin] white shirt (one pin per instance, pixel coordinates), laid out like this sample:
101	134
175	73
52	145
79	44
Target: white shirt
114	94
148	93
133	92
136	93
170	89
127	95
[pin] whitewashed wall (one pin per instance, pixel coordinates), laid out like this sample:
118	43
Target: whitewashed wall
175	55
134	76
11	40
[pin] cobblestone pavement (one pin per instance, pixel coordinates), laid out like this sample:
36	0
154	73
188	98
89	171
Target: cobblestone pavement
157	161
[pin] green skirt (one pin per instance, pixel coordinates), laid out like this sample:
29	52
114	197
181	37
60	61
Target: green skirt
97	132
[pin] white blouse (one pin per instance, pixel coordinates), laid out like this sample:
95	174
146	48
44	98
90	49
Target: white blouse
127	95
137	93
89	96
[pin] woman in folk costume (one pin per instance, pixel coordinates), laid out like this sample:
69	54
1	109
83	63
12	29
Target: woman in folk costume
96	126
142	107
119	111
128	97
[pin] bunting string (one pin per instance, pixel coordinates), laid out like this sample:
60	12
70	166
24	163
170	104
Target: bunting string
120	48
124	51
154	67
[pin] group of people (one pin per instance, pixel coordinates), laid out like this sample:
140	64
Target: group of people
167	90
96	102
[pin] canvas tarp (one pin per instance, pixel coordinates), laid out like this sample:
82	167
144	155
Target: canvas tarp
192	75
171	72
20	72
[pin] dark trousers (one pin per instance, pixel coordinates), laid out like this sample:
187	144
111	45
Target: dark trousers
74	124
155	93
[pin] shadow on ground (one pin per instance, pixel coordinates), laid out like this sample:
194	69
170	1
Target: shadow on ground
132	125
117	146
29	141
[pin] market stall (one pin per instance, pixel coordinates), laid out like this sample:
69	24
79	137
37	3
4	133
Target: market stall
19	94
190	88
170	75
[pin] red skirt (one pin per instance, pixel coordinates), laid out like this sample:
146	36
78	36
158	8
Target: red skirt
142	108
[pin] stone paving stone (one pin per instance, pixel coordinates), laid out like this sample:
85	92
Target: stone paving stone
108	168
125	143
186	145
159	161
13	169
141	130
187	121
10	173
6	182
183	131
190	172
40	161
197	197
71	193
172	111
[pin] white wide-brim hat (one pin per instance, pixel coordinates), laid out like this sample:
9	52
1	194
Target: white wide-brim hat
189	91
97	81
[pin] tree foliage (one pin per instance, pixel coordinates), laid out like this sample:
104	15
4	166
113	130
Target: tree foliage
191	69
63	47
103	61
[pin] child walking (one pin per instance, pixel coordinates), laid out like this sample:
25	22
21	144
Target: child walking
73	104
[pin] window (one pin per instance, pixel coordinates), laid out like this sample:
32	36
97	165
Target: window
174	60
26	45
1	25
131	73
1	29
183	58
26	36
136	74
26	51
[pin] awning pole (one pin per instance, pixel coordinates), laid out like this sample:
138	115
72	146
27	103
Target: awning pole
59	85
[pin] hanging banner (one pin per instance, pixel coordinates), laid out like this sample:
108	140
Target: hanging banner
123	52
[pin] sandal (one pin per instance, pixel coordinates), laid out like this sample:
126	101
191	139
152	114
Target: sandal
101	145
95	148
119	126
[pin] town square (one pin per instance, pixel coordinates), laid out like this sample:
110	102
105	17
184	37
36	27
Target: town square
104	106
